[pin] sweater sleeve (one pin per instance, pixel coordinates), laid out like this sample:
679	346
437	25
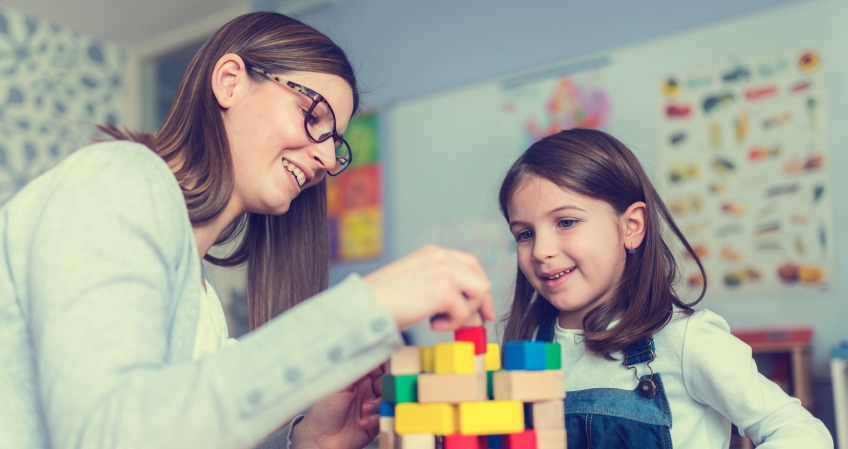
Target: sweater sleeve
105	280
718	371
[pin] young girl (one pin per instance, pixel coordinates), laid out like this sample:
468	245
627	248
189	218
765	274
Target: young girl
643	368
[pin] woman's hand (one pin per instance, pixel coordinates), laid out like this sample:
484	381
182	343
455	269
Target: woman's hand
433	282
346	419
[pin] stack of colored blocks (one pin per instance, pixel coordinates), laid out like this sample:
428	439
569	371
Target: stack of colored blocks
456	396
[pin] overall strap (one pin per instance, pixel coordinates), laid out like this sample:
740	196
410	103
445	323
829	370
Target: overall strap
640	351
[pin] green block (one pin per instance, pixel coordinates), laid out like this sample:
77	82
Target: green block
553	356
398	389
490	384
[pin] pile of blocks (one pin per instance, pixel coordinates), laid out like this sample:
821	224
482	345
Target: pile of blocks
455	395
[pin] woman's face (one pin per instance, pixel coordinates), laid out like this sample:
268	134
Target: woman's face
274	158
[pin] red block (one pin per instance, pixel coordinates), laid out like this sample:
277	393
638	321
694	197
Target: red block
465	442
476	335
523	440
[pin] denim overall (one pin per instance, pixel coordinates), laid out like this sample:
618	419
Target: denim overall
609	418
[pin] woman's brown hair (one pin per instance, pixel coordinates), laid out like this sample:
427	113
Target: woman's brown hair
594	164
288	255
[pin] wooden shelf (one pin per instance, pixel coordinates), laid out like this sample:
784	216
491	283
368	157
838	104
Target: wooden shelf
784	356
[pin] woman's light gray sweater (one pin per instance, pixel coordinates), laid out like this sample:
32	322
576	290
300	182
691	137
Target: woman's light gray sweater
99	291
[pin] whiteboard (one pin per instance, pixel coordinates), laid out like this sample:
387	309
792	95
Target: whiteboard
451	149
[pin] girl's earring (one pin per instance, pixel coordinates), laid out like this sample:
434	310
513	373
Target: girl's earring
631	251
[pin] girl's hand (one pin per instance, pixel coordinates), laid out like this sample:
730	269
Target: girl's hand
346	419
433	282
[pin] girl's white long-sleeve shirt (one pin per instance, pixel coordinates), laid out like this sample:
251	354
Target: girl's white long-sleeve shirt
711	380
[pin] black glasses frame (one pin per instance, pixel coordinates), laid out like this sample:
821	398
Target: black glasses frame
345	160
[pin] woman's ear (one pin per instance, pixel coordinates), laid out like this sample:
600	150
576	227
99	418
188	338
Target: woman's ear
229	78
635	221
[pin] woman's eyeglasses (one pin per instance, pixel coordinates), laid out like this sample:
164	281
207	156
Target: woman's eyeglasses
319	122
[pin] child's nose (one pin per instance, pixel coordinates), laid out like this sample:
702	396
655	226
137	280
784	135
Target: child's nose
544	248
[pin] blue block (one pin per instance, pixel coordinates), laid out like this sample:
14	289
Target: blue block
524	355
387	409
495	442
528	415
840	352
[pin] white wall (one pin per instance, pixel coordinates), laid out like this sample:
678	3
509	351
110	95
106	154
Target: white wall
405	51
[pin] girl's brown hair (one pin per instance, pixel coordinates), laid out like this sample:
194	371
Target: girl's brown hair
595	164
288	255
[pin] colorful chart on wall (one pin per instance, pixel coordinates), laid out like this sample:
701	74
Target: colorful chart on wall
355	197
743	152
541	105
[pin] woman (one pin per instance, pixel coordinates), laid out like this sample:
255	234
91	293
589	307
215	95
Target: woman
101	292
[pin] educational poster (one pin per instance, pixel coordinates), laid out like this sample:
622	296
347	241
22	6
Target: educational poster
542	106
744	158
355	198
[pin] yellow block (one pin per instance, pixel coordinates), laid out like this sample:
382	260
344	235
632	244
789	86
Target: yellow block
437	419
490	417
493	357
427	363
454	357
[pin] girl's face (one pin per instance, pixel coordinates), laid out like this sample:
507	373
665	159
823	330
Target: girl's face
268	142
570	247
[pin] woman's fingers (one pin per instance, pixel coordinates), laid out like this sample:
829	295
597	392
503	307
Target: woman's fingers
371	422
433	281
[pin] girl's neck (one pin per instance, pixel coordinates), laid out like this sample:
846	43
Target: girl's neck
574	320
570	320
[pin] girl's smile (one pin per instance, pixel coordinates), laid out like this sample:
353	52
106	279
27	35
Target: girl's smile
556	278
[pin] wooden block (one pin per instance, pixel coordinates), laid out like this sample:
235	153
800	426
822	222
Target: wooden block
436	419
524	355
528	415
427	359
387	424
483	441
480	363
476	335
483	385
454	358
553	356
416	441
546	415
523	440
399	389
406	360
491	417
490	384
387	409
475	320
458	441
386	440
451	388
529	386
551	438
494	442
493	357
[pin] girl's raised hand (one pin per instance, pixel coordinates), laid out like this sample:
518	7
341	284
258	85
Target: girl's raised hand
433	282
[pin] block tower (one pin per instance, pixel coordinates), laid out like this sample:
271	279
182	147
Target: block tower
456	395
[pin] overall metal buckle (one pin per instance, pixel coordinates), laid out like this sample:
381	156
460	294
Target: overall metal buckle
645	387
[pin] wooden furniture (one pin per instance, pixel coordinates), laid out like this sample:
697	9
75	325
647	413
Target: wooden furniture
839	374
784	355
